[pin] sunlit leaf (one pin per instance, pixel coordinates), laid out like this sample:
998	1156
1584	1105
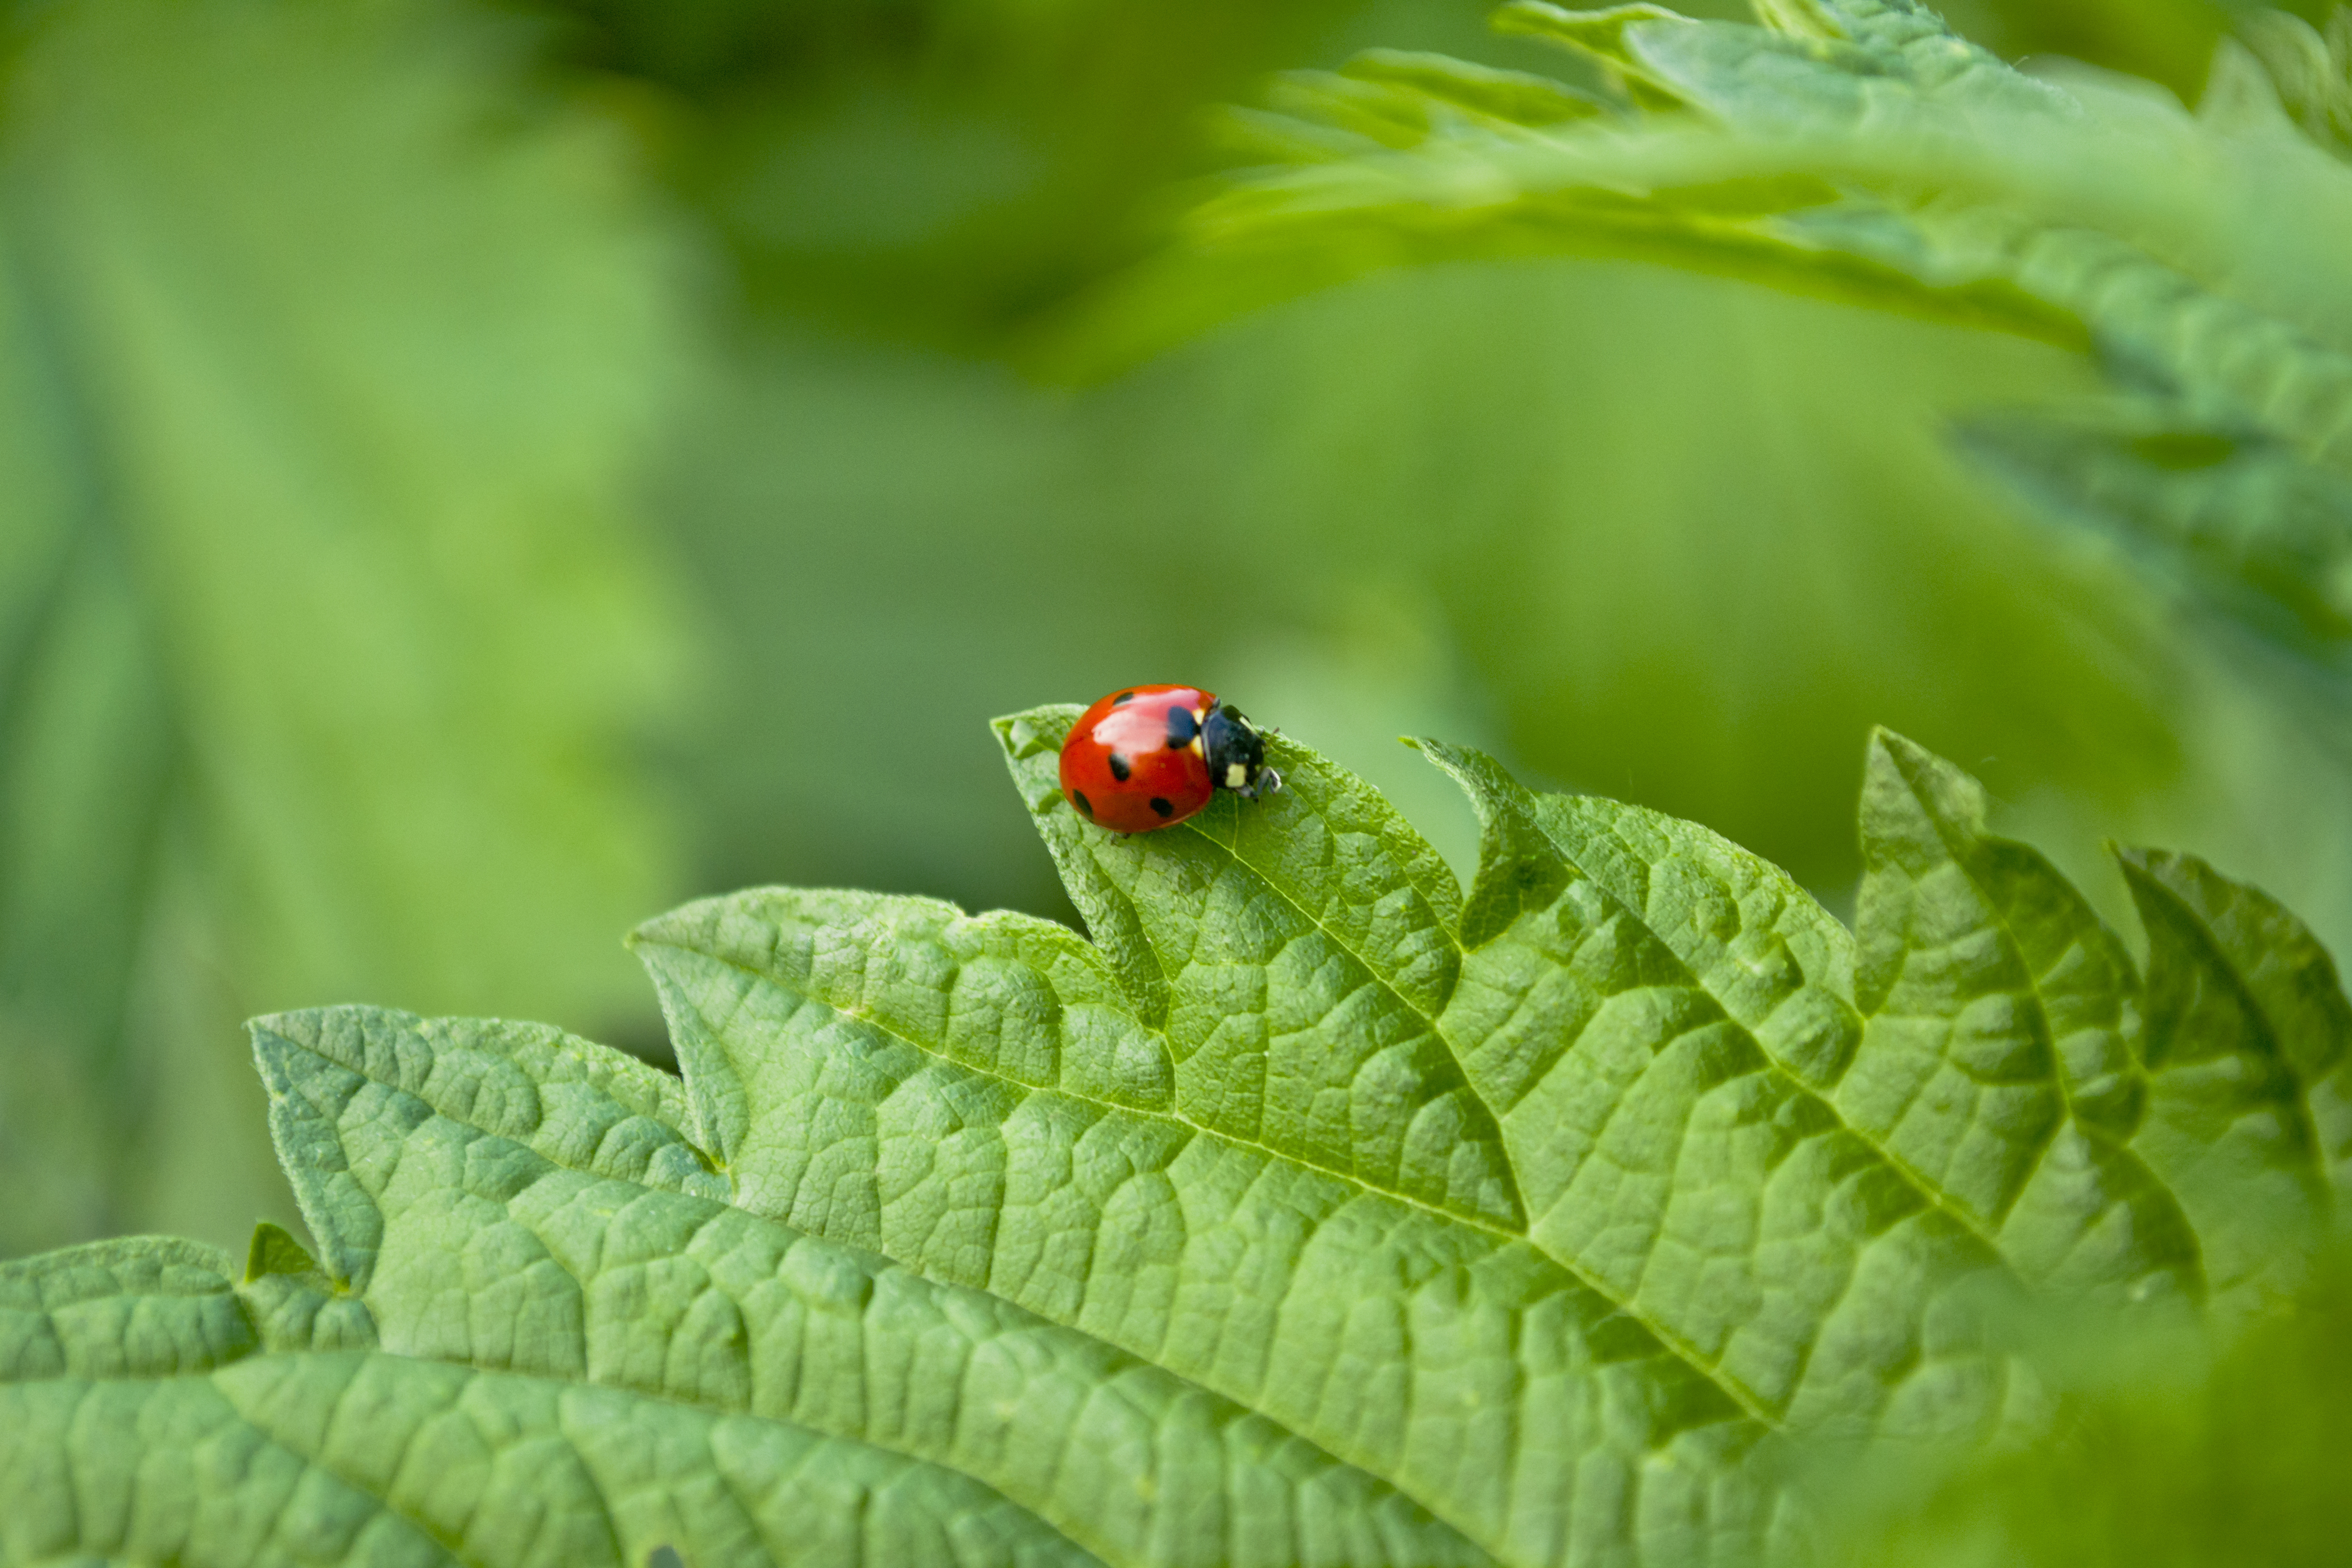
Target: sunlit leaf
1700	1149
1316	1212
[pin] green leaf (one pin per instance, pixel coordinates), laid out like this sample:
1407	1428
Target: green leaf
501	1197
1867	152
1798	1174
153	1410
2241	521
942	1088
2174	1452
1999	1060
1321	1213
327	354
1696	1177
273	1251
1500	98
2249	1054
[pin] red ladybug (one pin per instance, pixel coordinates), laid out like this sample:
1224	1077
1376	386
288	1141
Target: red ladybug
1145	756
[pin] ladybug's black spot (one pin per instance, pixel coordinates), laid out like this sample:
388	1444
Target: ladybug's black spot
1119	767
1159	804
1181	728
1122	697
1084	805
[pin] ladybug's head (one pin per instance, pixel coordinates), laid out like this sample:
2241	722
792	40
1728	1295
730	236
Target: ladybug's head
1236	754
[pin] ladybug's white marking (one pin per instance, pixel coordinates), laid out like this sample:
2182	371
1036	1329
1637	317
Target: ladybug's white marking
1236	775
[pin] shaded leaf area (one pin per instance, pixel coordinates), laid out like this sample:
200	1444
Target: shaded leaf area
929	171
323	360
2239	519
2170	1453
953	171
1861	151
1315	1211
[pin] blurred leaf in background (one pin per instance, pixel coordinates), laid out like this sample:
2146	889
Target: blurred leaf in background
2168	1451
327	356
930	171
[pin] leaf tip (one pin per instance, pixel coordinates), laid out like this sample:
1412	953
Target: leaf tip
1459	760
660	942
1025	734
1519	867
2188	880
1893	744
1892	748
273	1035
1916	807
2150	875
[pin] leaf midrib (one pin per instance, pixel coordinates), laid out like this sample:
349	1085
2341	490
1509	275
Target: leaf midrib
1740	1395
1430	1020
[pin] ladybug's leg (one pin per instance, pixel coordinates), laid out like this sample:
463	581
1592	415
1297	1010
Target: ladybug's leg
1265	784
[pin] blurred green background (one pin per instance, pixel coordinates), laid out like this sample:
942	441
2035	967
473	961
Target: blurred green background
472	475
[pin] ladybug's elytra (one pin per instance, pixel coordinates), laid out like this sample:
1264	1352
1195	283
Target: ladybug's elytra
1148	756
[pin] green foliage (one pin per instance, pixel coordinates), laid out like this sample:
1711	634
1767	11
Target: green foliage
1315	1211
1864	152
1630	1176
2167	1452
324	366
936	172
1489	501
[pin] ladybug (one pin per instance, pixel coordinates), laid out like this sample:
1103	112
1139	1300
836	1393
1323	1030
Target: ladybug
1147	757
